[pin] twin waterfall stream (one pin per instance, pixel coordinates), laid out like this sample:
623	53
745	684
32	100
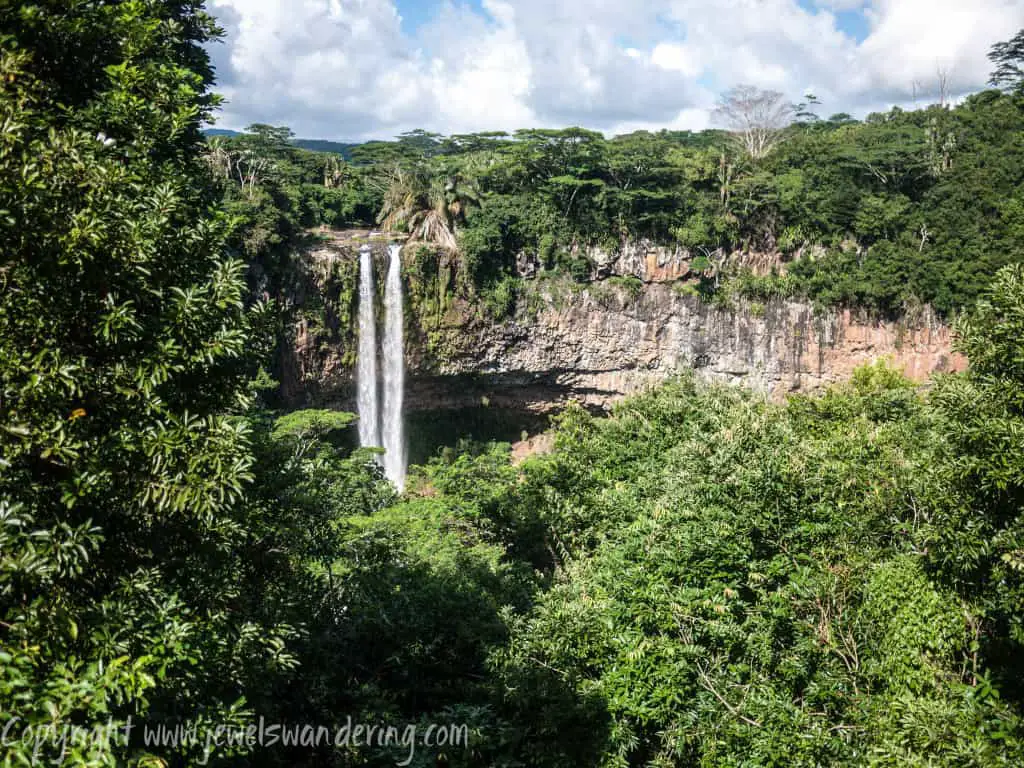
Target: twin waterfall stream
382	427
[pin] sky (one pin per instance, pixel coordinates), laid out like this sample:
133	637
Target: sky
353	70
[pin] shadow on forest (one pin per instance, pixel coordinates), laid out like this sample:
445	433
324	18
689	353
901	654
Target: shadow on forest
402	643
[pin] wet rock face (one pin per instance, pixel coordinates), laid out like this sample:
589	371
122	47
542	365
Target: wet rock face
600	343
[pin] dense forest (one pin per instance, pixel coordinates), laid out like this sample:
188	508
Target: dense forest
886	214
699	578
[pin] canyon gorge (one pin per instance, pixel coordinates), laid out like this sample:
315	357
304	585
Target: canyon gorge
635	325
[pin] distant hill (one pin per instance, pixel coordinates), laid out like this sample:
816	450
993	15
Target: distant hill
322	145
313	145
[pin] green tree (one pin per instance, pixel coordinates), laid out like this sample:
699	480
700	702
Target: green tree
977	539
125	345
430	205
739	583
1008	57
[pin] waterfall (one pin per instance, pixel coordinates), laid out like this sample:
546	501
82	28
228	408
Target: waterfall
394	372
375	428
369	408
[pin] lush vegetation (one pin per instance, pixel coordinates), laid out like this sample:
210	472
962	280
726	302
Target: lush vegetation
700	578
901	209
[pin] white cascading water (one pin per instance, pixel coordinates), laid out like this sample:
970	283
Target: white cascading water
369	407
394	372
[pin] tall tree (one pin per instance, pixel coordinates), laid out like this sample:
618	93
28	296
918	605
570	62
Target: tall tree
977	539
1008	56
125	346
756	118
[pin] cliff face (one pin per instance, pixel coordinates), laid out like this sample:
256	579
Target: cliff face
597	349
655	263
607	340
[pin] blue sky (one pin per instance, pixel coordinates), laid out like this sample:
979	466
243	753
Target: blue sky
357	69
416	13
853	23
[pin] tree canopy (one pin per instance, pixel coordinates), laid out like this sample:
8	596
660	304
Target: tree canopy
698	577
901	209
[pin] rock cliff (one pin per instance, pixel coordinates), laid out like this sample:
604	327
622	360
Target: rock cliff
599	342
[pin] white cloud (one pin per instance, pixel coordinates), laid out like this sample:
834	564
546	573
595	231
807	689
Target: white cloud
480	77
678	57
843	5
345	68
913	39
332	66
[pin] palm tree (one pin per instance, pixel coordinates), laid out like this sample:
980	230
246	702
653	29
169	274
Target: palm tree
218	157
429	206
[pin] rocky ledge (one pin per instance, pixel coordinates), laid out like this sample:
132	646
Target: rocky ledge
598	348
598	343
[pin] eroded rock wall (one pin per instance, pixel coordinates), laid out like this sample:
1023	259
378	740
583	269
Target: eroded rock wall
599	343
599	348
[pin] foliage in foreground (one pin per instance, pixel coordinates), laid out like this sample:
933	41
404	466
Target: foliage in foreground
124	346
164	553
699	579
834	581
722	581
